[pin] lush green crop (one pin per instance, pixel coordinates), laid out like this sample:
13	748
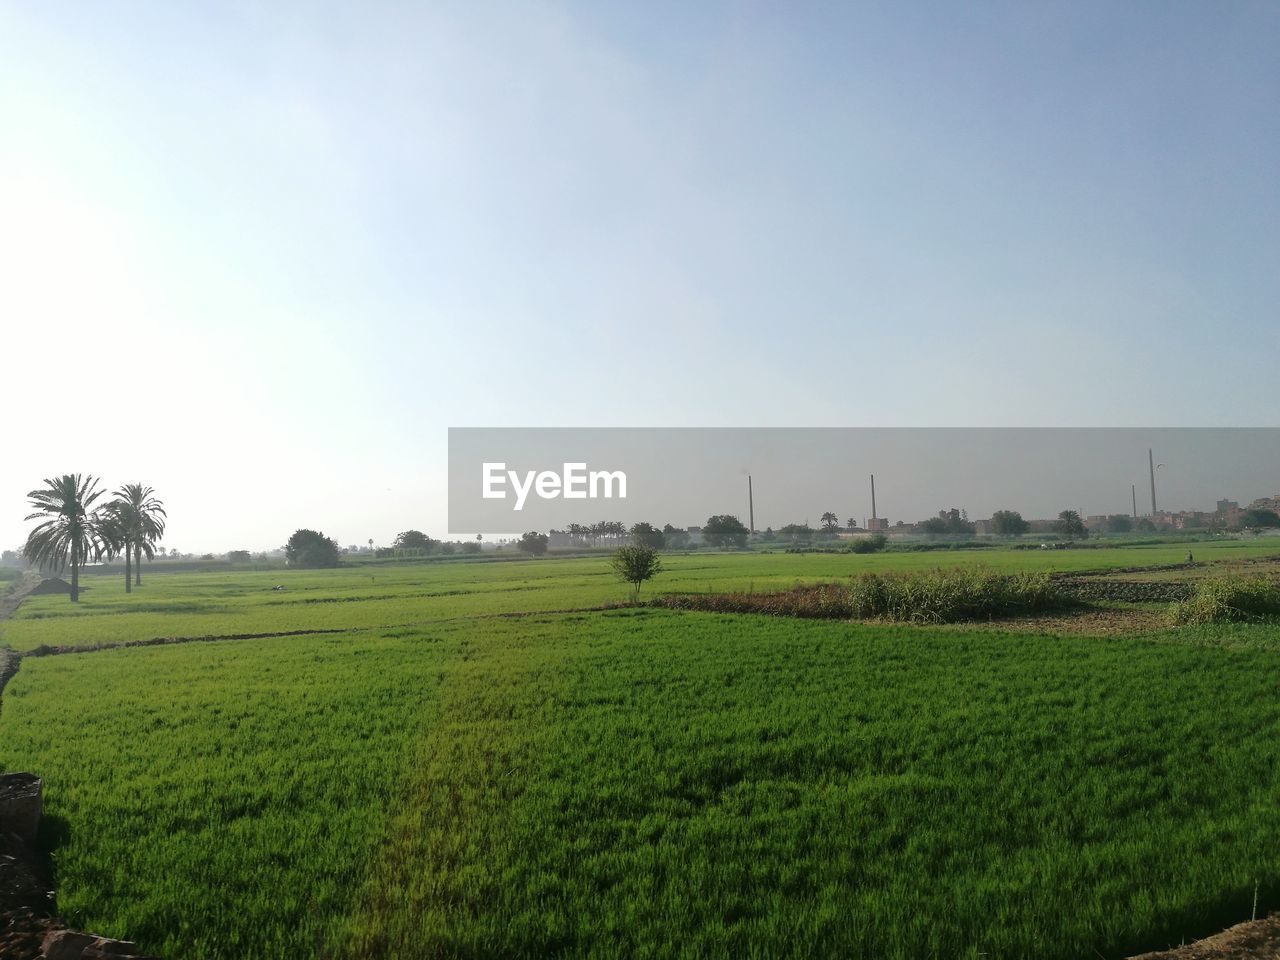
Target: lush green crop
219	800
654	782
441	778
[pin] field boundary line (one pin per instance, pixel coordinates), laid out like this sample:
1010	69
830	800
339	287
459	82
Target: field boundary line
45	650
10	661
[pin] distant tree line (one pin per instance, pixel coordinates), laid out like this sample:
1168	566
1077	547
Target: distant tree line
410	544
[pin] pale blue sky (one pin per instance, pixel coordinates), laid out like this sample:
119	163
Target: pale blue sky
263	255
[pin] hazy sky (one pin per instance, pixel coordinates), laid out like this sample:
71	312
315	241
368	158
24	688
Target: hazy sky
263	255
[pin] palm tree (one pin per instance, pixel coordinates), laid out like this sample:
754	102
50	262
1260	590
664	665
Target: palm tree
71	531
140	518
830	521
113	534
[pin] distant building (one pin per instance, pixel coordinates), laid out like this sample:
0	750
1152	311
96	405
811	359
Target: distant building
878	525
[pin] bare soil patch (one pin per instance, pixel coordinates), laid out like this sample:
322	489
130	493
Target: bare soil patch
1091	622
1254	940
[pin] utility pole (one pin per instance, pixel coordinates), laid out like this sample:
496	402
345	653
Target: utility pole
1151	465
751	507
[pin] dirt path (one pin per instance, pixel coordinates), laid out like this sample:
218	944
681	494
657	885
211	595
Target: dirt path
9	604
11	601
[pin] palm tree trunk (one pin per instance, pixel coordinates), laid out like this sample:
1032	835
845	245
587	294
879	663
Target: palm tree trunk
75	573
128	568
137	566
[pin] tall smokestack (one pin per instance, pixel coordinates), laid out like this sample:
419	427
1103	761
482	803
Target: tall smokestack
751	506
1151	465
873	496
1133	489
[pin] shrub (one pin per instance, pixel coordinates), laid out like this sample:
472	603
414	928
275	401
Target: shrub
1229	600
947	596
872	544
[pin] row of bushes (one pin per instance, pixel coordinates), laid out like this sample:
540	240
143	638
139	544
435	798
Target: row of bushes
938	596
967	594
1233	600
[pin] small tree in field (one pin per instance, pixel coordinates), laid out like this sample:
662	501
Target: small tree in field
635	565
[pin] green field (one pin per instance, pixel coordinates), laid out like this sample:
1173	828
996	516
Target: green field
219	604
437	780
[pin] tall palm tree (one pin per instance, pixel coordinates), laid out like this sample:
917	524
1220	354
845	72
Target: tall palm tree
71	531
115	529
141	518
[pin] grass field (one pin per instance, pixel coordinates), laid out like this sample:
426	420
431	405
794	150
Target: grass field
438	781
204	604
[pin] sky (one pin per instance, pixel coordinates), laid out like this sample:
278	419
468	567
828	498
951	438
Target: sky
263	256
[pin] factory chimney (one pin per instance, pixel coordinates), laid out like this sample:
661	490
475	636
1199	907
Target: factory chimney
1151	465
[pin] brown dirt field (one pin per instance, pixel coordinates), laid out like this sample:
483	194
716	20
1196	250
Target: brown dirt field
1255	940
1251	567
1095	622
